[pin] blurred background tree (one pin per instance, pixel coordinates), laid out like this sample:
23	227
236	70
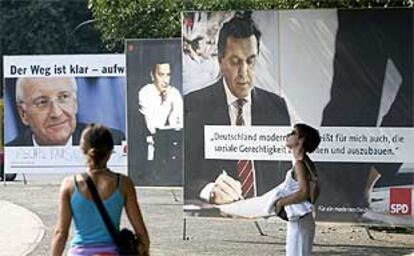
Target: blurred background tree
47	27
119	19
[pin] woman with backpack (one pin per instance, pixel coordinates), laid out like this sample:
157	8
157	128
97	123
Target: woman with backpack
76	201
301	189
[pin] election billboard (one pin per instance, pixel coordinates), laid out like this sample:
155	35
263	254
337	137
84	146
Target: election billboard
50	99
345	72
155	111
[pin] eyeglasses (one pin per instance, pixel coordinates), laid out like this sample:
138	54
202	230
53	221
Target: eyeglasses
43	103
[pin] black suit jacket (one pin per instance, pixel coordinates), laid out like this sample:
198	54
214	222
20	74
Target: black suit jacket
25	139
208	106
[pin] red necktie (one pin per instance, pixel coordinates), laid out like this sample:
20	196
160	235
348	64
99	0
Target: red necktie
244	167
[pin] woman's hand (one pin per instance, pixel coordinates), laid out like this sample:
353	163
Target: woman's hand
143	249
278	206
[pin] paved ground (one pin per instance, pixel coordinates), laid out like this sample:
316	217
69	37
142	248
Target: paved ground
164	219
23	225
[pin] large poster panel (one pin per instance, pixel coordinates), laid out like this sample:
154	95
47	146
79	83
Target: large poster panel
238	49
50	99
372	88
345	72
155	112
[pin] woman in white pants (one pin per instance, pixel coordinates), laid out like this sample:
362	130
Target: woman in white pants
301	189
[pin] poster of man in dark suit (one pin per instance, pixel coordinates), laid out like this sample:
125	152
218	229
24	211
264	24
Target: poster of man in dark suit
345	71
239	47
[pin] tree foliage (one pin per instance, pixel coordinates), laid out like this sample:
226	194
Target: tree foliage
46	27
120	19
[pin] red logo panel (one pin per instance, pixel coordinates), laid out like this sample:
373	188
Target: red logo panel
400	201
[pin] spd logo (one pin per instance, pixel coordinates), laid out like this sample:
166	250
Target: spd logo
400	201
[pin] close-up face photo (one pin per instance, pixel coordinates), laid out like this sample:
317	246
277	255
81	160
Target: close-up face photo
48	106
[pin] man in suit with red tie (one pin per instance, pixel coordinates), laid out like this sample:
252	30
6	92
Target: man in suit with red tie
232	100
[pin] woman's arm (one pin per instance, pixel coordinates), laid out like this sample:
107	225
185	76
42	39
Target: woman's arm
303	193
134	215
60	234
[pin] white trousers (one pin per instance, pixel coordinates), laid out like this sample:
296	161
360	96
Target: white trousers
300	235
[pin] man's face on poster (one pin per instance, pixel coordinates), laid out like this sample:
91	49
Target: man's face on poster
162	76
48	106
238	64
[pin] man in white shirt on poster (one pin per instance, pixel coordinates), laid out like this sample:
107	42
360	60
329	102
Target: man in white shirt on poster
160	103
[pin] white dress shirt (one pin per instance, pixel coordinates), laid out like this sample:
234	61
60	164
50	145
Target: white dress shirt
68	143
233	108
158	112
233	111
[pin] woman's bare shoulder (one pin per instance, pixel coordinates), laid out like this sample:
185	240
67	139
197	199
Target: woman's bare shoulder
128	181
67	185
125	182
